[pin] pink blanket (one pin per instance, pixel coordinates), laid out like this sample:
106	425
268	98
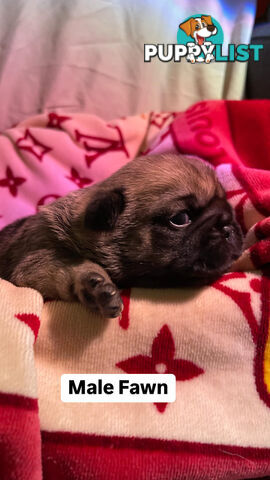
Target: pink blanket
215	340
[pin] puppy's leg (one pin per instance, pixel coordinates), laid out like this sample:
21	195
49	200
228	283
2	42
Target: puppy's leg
56	278
94	289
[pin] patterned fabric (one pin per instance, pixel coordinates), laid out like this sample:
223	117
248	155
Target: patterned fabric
216	340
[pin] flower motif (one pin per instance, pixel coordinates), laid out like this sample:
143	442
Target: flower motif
11	182
161	361
77	179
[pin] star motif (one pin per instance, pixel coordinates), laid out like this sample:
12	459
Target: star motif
161	361
77	179
55	120
11	182
32	145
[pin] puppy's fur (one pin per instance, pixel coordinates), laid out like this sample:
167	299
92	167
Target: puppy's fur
122	232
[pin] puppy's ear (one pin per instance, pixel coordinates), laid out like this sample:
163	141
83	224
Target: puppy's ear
207	19
186	26
103	211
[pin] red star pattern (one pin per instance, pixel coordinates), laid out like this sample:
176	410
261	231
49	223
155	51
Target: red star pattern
242	299
55	120
101	145
77	179
29	143
161	361
11	182
31	320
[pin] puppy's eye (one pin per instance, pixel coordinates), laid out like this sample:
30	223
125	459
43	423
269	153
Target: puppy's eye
179	220
197	27
203	24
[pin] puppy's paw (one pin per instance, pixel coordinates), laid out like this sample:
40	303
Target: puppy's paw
99	295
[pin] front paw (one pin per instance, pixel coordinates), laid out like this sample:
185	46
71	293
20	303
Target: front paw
99	295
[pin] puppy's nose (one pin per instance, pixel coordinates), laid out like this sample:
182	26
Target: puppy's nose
217	233
224	219
211	28
227	231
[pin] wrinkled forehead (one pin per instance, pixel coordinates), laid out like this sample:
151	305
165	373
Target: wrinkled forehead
169	181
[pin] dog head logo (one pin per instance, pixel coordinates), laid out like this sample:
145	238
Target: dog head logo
200	39
199	28
200	33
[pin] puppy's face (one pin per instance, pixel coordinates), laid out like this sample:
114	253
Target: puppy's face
200	28
159	221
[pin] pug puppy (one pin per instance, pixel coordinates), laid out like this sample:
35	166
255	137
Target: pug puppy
160	221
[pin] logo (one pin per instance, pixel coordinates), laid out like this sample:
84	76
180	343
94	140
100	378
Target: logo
200	40
200	34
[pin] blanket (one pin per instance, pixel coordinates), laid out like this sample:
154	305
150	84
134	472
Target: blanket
215	340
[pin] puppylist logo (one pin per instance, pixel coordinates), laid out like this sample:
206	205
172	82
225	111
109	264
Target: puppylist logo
199	40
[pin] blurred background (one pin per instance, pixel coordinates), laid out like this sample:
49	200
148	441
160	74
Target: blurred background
81	55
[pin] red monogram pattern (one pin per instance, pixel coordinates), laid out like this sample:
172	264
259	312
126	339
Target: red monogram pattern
31	144
242	299
98	145
162	360
160	119
12	182
223	134
46	199
55	120
77	179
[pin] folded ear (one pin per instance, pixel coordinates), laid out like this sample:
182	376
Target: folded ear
103	211
186	26
207	19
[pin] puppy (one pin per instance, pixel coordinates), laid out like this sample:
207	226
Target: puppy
199	28
160	221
